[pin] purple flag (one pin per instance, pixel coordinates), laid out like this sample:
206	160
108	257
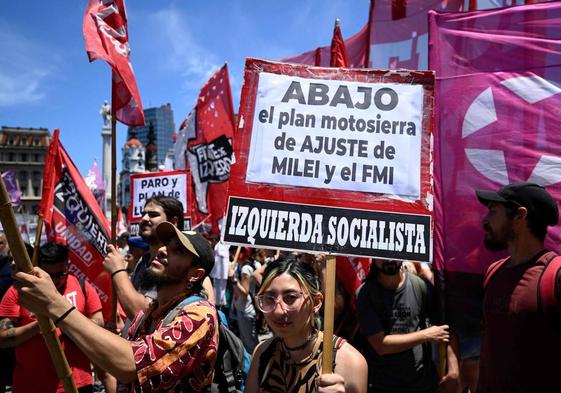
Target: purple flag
10	180
95	183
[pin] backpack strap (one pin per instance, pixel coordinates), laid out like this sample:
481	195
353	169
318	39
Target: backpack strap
82	281
548	290
492	270
170	315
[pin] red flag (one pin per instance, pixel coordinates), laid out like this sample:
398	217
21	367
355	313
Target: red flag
339	56
357	49
352	271
121	224
73	217
498	77
106	35
209	131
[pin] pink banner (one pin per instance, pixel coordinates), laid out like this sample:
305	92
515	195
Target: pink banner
498	78
399	32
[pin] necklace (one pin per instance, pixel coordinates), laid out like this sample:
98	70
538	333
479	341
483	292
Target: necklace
301	346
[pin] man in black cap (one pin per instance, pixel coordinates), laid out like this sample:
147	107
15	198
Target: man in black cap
172	346
521	346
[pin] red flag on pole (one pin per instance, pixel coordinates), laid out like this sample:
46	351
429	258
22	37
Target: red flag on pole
339	56
73	217
356	47
106	35
209	131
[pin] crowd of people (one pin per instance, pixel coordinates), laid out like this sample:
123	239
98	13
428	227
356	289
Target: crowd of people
179	292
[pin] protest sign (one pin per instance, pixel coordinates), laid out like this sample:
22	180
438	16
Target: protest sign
147	185
332	160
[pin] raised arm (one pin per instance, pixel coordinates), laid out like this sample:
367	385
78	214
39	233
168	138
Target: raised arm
385	344
109	351
131	300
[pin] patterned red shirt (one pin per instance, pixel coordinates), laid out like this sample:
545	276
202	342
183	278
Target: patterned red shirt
177	357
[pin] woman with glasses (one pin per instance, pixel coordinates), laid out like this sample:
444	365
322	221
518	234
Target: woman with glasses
290	299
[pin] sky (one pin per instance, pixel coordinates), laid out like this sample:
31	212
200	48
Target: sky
47	81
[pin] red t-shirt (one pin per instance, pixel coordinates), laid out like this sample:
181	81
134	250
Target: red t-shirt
34	371
521	348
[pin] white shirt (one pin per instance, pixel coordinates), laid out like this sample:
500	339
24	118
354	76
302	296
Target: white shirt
221	261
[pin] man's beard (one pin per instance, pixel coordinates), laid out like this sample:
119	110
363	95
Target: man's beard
152	278
497	241
390	268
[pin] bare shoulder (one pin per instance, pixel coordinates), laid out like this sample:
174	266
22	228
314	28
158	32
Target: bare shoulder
351	365
349	355
262	347
252	381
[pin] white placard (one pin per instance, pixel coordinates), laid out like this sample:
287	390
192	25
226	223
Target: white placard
334	134
163	183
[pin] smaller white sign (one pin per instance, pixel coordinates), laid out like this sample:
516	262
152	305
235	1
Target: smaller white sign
145	186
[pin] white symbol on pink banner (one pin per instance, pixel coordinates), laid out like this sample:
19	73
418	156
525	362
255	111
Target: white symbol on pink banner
494	161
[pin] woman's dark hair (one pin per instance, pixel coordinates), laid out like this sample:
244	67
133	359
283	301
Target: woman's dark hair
171	206
303	272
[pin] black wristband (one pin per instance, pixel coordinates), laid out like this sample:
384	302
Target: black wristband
118	271
59	319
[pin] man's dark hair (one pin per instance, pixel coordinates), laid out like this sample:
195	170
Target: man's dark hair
52	253
172	207
536	223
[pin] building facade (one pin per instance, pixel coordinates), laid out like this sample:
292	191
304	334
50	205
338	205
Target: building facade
161	119
134	156
25	151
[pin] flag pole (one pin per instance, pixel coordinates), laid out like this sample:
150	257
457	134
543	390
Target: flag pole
328	315
330	273
113	195
37	243
21	258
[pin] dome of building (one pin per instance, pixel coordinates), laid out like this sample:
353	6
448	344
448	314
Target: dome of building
133	142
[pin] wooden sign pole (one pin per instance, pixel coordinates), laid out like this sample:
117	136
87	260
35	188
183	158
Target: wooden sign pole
328	315
23	264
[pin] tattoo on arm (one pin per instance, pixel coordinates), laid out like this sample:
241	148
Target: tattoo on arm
6	323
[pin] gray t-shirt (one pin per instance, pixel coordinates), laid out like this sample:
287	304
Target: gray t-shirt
398	312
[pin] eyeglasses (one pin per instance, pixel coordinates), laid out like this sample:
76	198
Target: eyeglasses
58	275
268	302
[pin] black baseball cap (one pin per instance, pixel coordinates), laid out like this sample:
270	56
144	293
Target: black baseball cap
192	241
529	195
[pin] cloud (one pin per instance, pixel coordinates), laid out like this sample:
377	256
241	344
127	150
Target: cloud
193	62
23	68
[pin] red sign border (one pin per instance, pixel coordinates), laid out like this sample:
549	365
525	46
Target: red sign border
328	197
